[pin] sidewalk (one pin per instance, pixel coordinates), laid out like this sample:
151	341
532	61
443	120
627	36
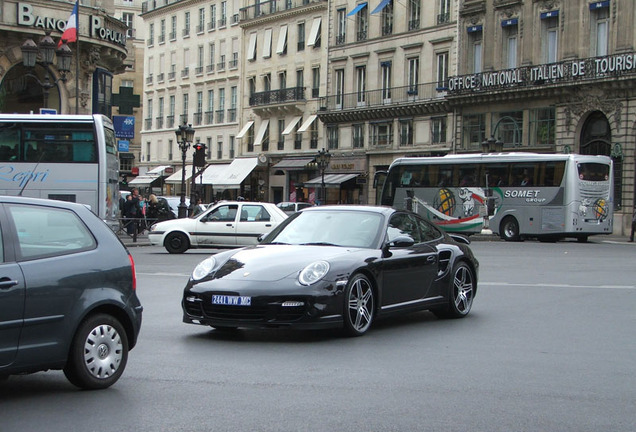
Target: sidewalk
129	241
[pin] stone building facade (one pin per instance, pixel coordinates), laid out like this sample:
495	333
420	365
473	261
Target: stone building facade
549	76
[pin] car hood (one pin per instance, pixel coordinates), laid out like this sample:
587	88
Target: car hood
269	263
184	224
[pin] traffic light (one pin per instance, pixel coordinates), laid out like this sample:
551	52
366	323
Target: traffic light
199	155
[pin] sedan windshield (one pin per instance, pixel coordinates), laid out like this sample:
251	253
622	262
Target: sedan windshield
339	228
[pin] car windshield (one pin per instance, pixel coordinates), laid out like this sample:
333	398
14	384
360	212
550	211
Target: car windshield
337	227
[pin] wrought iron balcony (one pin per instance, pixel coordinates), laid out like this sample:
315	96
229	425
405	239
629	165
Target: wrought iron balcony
291	94
273	6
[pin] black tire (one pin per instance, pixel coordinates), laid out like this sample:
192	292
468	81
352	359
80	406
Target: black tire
359	305
509	229
176	243
582	239
461	293
98	354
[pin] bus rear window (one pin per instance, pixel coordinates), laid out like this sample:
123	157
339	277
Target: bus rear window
593	171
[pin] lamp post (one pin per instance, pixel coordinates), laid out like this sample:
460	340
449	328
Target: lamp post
46	49
323	161
185	136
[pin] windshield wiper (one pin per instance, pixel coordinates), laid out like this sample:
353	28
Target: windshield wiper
318	244
278	243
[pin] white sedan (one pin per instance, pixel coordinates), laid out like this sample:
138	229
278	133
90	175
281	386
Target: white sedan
226	224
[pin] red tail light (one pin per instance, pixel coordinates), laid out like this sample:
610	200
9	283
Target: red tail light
134	273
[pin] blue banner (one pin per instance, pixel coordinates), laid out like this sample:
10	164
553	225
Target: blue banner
124	126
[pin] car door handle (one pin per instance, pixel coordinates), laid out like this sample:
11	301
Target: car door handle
6	283
268	225
229	224
431	259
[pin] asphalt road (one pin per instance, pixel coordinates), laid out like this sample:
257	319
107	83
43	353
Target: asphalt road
549	346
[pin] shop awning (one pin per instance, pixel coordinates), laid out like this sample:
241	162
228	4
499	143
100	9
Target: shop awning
307	123
261	132
158	170
235	173
143	180
243	131
213	174
293	163
331	180
357	9
290	127
381	6
176	177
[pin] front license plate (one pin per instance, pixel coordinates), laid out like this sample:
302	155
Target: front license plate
231	300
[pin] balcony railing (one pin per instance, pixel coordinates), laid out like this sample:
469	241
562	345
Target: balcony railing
148	124
160	77
414	24
272	6
281	145
361	35
198	70
377	98
222	22
186	32
149	79
171	75
173	36
231	115
200	28
278	96
185	72
220	116
341	39
210	68
443	18
198	117
159	122
169	121
233	64
209	117
212	25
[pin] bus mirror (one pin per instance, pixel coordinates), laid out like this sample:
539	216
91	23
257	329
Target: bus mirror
379	177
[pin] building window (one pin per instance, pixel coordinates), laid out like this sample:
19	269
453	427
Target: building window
386	68
362	24
382	134
361	85
414	14
201	26
127	18
186	28
231	146
508	127
387	19
473	131
173	28
543	127
357	132
339	90
443	14
406	132
332	137
301	36
438	126
186	103
212	23
315	82
313	135
342	26
475	48
281	137
600	28
209	114
550	36
510	35
219	150
413	77
442	70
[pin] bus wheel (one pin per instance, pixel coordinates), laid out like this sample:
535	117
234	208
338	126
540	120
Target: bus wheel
509	229
176	243
582	239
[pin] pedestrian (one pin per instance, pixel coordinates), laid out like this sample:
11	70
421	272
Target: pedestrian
631	236
130	214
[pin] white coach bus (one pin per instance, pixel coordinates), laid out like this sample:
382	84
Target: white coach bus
516	195
64	157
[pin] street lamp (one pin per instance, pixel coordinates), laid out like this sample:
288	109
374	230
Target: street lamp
323	161
46	49
185	136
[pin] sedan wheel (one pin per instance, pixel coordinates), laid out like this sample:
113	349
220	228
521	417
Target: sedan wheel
462	293
98	354
359	306
176	243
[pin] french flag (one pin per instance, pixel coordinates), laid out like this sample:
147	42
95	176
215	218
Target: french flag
70	31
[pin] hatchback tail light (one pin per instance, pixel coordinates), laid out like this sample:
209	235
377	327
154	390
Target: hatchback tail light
134	274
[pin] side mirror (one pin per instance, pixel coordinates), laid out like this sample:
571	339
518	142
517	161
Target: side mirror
402	241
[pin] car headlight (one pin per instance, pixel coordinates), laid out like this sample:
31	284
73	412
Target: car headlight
204	268
313	272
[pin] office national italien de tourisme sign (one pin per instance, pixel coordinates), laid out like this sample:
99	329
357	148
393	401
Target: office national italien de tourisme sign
565	72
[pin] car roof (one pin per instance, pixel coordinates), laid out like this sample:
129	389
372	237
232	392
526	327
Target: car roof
41	201
352	207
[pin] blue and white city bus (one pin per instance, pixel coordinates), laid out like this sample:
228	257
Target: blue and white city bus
516	195
64	157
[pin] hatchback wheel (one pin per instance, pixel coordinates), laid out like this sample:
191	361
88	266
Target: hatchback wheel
98	354
461	293
176	243
359	306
